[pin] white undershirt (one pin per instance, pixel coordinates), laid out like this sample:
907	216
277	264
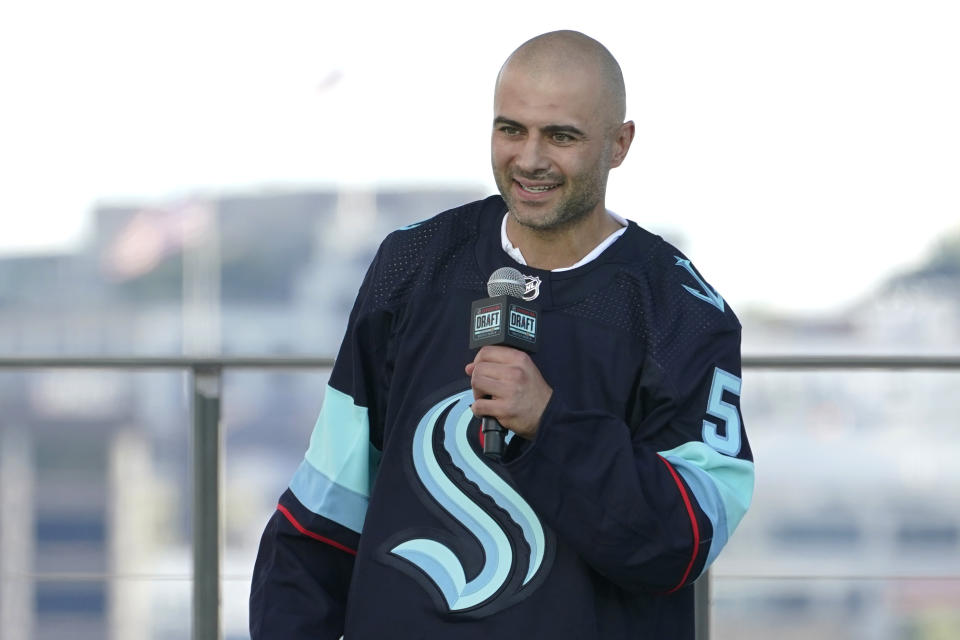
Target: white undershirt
514	253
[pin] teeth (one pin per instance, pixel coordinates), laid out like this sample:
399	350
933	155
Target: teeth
537	189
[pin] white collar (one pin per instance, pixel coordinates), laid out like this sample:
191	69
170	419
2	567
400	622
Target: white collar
514	253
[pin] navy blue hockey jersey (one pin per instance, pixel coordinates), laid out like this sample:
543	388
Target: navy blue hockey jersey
396	526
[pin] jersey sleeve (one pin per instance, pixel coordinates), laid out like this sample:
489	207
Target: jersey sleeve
303	567
650	500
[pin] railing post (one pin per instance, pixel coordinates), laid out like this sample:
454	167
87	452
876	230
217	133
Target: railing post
701	606
206	502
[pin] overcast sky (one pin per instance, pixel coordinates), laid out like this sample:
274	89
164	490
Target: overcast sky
801	151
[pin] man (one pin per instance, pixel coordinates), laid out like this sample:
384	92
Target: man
628	468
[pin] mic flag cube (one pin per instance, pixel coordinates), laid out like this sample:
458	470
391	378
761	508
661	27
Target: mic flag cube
504	320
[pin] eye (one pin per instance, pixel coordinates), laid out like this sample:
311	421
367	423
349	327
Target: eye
562	138
509	130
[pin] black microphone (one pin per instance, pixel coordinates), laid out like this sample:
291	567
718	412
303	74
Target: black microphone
502	319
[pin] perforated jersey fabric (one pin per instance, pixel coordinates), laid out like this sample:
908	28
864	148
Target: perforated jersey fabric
395	525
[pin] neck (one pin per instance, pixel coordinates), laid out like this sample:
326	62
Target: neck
549	249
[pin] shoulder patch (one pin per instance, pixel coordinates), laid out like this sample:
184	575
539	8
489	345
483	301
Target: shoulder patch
705	293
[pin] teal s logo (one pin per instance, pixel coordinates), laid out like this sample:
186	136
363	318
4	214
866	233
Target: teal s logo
517	551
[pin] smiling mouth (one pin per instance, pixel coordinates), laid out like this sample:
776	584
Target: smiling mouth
538	189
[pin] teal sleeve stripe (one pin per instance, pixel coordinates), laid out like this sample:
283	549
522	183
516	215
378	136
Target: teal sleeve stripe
722	485
340	443
323	497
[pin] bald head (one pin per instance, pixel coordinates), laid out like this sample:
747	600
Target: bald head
551	56
558	130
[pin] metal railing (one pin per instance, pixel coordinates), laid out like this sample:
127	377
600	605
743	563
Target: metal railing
206	381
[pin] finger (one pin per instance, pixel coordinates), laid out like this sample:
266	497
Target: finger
484	407
500	355
486	372
483	355
484	385
493	408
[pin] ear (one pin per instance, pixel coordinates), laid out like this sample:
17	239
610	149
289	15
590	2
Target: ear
622	139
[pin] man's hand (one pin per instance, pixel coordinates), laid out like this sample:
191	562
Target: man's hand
517	392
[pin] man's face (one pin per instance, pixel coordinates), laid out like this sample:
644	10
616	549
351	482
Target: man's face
551	147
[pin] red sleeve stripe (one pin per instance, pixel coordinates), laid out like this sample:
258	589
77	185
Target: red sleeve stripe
693	523
310	534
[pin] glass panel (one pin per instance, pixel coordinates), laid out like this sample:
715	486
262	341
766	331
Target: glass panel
836	609
94	505
267	418
854	530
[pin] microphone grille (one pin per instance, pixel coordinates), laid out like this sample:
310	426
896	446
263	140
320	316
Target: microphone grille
506	281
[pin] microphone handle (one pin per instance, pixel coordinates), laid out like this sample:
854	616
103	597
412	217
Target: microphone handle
493	436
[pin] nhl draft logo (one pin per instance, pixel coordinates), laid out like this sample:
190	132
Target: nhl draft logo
487	321
532	287
523	323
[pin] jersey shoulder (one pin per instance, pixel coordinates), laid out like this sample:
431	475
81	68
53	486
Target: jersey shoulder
431	254
678	294
682	316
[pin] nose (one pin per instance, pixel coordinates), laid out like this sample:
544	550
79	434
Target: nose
531	158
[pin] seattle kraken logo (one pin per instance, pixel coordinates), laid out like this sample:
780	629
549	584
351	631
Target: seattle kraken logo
706	293
505	576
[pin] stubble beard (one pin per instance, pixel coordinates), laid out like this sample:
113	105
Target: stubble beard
582	197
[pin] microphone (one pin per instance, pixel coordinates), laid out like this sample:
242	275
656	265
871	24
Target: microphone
505	319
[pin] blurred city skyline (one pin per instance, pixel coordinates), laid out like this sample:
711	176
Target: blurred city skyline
804	154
